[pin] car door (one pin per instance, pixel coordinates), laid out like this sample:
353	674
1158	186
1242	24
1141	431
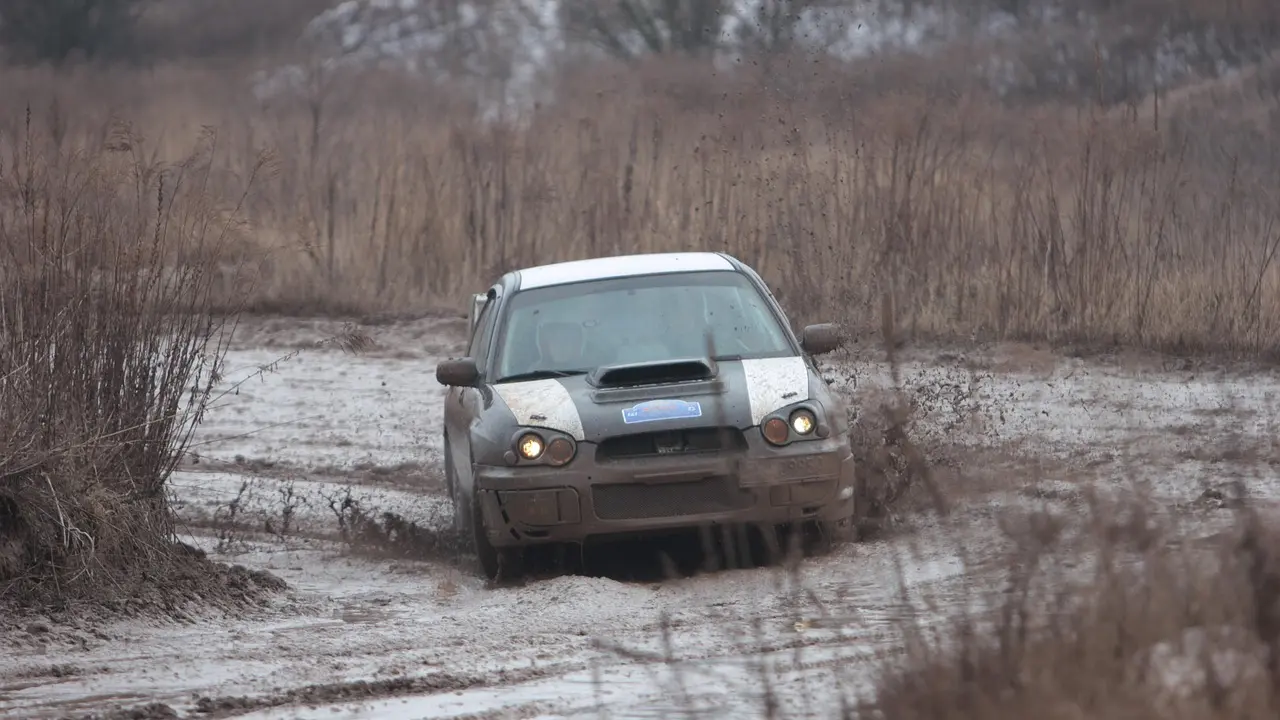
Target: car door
463	405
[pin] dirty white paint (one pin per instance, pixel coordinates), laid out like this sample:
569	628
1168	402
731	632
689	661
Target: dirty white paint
620	266
542	403
774	383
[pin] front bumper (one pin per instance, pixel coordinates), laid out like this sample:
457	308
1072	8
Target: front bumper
805	481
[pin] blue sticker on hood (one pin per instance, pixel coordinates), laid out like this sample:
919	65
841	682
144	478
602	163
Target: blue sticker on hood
660	410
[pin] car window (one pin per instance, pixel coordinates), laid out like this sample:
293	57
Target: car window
637	319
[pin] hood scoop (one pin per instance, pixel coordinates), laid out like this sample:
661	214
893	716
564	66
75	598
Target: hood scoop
654	373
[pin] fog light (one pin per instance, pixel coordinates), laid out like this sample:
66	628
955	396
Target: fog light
560	451
845	493
530	446
775	431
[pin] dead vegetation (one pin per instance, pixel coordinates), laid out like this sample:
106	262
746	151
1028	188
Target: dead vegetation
108	355
1109	618
1152	225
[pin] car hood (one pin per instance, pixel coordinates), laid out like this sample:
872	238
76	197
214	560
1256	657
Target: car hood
741	394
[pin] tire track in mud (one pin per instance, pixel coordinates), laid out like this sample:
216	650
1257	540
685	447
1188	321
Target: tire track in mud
564	637
550	688
329	699
361	690
819	646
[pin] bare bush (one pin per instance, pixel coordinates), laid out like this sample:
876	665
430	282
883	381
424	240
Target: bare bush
1144	631
1076	226
108	353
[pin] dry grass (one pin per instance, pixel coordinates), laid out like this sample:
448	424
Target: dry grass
108	353
1066	224
1104	620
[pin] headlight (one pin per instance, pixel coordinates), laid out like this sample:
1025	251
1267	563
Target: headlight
795	423
533	446
530	446
803	422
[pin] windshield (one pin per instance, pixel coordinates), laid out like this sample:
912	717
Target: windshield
582	326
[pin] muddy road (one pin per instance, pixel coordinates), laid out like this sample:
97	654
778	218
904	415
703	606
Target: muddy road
309	440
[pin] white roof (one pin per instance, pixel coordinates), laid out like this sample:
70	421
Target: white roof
620	266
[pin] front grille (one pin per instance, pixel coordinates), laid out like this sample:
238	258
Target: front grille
636	501
670	442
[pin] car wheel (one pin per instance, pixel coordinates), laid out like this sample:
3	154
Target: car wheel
496	563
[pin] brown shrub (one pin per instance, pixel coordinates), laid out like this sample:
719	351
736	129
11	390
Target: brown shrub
107	354
1142	631
1053	223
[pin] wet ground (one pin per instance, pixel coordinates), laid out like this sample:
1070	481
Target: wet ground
405	628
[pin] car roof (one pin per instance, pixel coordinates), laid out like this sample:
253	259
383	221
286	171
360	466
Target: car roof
621	266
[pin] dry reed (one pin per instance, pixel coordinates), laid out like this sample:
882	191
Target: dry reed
1111	618
1072	225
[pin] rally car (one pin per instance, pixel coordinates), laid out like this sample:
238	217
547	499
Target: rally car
636	394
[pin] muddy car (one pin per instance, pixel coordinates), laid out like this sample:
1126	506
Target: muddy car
634	395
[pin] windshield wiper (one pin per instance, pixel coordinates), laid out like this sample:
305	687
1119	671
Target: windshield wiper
540	375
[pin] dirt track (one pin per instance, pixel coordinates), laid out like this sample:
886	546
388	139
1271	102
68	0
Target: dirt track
372	635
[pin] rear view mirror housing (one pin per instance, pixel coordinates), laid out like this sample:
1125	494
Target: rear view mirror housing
458	373
821	338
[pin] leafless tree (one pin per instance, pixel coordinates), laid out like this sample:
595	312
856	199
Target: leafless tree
629	29
58	30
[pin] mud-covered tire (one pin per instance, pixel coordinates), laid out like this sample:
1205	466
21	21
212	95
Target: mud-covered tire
497	564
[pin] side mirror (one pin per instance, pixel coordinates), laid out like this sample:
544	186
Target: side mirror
821	338
458	373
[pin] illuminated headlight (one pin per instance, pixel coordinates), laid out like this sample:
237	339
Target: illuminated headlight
803	422
530	446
